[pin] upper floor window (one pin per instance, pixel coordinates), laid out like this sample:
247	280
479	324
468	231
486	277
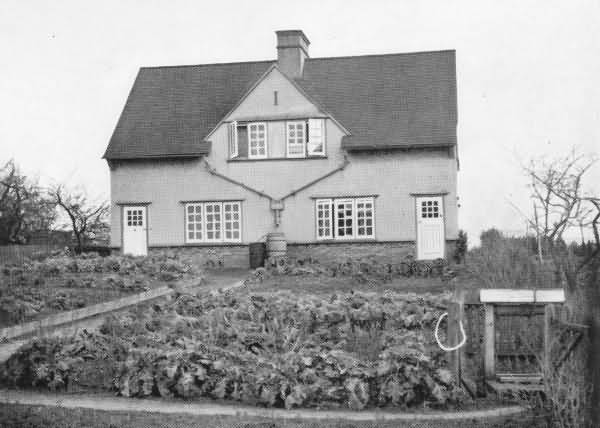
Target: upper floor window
305	138
300	139
296	139
316	137
257	140
248	140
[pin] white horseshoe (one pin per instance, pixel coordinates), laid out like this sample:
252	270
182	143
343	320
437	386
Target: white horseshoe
462	332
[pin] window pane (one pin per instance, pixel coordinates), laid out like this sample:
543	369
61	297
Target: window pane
194	222
257	140
231	224
324	219
364	214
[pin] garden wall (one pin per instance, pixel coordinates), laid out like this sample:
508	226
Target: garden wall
337	252
237	256
231	256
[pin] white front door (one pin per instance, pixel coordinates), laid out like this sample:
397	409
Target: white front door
134	231
430	228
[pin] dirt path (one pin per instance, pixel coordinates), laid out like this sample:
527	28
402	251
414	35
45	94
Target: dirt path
112	403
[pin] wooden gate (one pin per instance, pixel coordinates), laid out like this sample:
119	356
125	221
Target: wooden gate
519	339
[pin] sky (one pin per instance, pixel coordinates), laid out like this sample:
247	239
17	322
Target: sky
527	76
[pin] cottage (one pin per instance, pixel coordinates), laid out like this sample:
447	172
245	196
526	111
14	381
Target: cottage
346	156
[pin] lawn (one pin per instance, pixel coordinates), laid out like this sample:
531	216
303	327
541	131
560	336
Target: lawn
23	416
36	289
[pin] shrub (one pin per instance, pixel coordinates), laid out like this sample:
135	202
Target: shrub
461	247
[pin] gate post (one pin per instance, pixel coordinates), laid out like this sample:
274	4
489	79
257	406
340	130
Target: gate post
456	315
489	358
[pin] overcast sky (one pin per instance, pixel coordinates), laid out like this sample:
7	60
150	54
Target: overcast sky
528	75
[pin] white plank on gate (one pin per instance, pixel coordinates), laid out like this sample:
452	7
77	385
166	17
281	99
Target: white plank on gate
550	295
505	295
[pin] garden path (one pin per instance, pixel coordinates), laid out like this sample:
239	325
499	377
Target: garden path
207	408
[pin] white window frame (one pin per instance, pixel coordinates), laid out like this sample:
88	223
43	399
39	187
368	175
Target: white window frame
365	201
256	125
187	222
344	201
215	230
203	223
329	204
232	220
314	139
294	124
233	140
334	216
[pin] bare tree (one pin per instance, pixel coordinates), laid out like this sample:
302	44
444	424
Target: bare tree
24	208
557	189
86	218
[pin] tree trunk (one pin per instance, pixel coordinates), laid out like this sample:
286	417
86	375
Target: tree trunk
79	243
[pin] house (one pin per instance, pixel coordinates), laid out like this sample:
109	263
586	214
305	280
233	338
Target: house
346	156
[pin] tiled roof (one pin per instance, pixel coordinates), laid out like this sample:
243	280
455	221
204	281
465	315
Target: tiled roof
385	101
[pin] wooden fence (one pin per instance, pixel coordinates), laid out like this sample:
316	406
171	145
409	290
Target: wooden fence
17	254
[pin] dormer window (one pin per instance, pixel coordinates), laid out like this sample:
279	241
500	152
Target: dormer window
301	138
257	140
305	138
316	137
296	139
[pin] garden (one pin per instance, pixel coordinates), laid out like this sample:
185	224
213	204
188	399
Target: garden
350	350
38	288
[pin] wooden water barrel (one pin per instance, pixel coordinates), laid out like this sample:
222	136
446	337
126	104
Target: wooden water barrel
276	245
257	254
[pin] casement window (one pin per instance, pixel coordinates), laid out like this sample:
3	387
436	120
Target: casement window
240	145
302	139
323	215
233	140
316	137
296	139
305	138
231	221
345	218
213	222
257	140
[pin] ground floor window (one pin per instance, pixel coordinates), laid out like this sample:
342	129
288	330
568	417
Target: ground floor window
213	222
345	218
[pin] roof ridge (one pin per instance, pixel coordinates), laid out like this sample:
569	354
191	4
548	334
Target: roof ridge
309	59
207	65
380	55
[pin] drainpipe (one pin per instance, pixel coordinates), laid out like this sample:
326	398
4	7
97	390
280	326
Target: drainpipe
213	171
277	205
315	181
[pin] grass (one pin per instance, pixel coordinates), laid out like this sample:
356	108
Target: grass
26	416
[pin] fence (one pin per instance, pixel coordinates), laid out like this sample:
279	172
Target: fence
16	254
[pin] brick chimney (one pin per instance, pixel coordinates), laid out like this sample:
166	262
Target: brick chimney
292	50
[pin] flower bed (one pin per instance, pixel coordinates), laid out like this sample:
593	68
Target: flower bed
277	350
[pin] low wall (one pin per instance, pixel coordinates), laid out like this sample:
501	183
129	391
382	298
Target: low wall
385	252
237	255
